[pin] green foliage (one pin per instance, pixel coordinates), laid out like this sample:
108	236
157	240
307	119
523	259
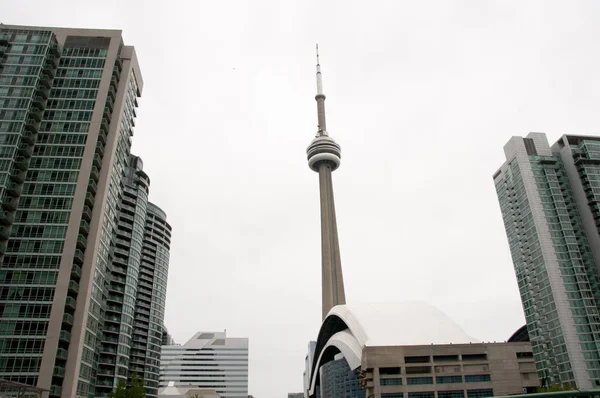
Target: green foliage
136	390
556	387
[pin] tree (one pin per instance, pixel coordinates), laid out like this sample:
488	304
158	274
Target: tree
136	389
556	387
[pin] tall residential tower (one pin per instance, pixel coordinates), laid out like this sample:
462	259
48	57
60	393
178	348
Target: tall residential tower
324	157
68	100
550	202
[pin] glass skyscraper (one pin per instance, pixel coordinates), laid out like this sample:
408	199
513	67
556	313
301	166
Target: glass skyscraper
68	101
550	197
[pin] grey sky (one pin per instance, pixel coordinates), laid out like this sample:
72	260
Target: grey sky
422	95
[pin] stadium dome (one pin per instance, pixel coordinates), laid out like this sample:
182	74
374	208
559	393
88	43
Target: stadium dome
349	328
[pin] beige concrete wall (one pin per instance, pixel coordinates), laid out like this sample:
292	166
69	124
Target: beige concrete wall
509	374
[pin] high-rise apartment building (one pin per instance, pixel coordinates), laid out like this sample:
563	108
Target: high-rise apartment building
550	202
136	291
68	101
207	361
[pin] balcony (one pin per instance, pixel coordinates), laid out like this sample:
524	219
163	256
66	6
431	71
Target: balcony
39	101
10	203
73	287
29	136
52	62
78	257
3	41
6	218
3	50
25	149
76	271
87	213
62	353
45	80
42	91
67	320
49	70
112	93
114	82
95	173
106	113
71	303
36	113
100	148
17	175
31	125
14	189
110	103
111	329
81	242
5	232
97	161
22	162
55	391
64	336
89	199
84	227
59	371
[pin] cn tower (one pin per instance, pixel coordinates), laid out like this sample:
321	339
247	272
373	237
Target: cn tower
324	157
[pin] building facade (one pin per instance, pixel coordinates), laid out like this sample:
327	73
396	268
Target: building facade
448	371
68	100
550	198
308	360
207	361
136	299
338	380
434	359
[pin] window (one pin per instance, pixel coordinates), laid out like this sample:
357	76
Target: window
419	380
524	355
396	381
411	370
445	358
392	395
474	357
421	359
451	394
481	393
427	394
448	379
477	378
389	371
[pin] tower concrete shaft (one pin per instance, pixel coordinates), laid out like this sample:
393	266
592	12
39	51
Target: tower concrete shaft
324	156
332	278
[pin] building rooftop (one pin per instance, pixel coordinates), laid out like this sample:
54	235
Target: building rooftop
396	324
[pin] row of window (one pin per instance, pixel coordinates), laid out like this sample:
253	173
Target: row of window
478	393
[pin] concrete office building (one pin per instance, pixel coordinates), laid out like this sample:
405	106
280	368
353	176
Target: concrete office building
68	101
550	203
434	357
209	360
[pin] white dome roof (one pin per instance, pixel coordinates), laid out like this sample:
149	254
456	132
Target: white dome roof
348	328
396	324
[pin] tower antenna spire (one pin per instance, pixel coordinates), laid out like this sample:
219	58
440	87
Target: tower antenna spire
320	98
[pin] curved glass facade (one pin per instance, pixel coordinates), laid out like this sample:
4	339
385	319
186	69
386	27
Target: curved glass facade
150	304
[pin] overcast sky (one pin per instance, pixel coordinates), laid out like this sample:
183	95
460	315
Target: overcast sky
421	95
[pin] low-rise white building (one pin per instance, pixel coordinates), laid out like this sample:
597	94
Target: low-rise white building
209	360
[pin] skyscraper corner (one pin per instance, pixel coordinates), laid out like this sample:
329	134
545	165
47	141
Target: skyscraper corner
324	157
